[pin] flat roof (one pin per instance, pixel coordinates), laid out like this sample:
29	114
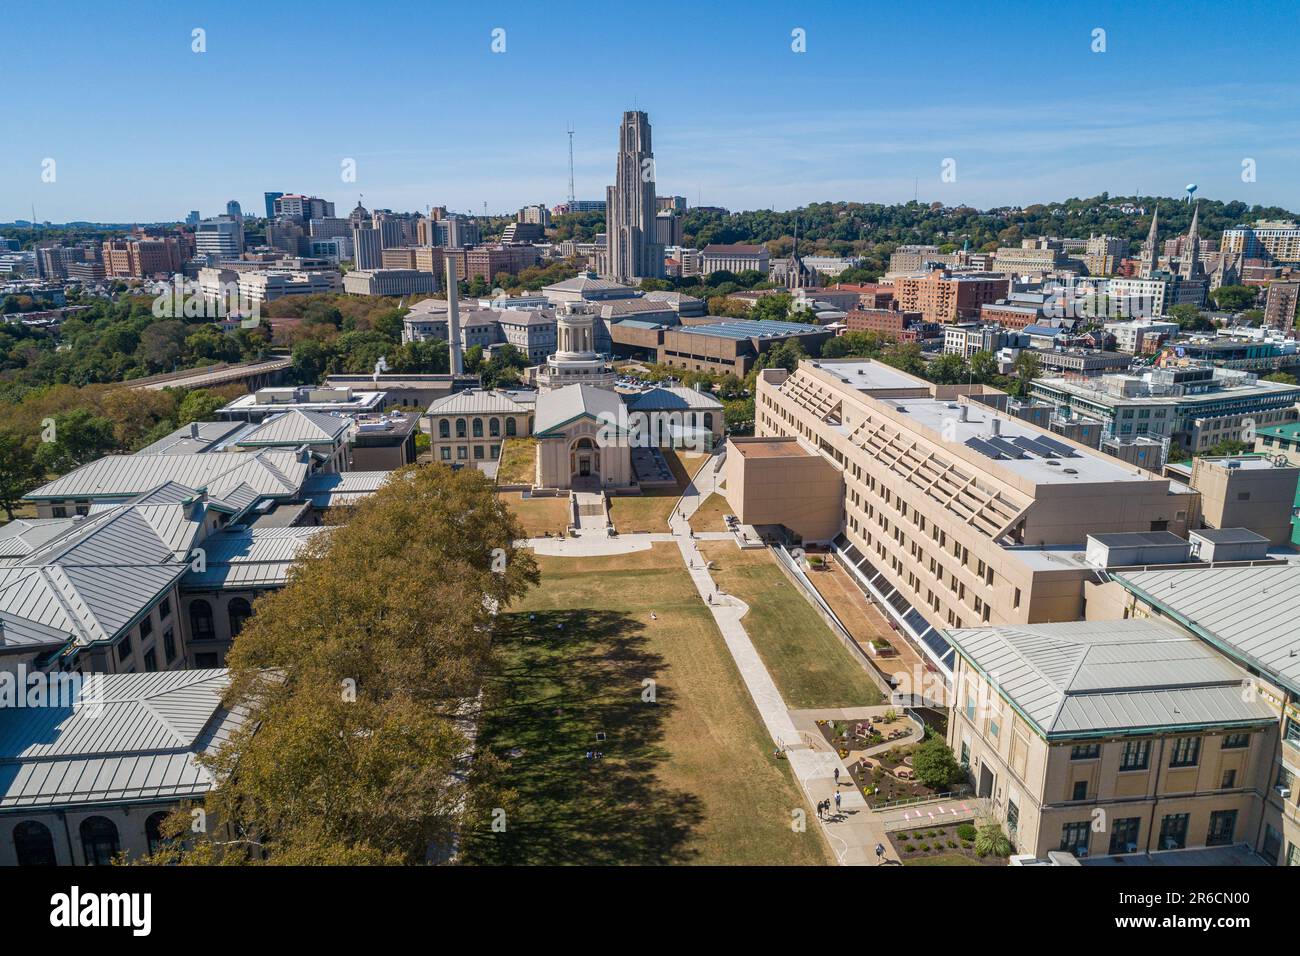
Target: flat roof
748	329
770	448
867	376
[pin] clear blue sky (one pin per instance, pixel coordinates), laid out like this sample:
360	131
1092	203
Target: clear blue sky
143	129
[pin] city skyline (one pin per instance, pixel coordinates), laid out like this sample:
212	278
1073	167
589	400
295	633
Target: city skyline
742	120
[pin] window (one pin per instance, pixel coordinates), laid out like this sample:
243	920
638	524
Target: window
1013	818
201	620
1229	780
965	754
169	644
1124	835
1236	741
1187	752
1080	790
151	660
33	844
478	452
239	611
59	511
146	626
1223	824
494	427
478	428
462	452
153	830
203	661
124	648
1173	832
1085	751
1074	838
708	420
164	609
511	428
1136	755
99	841
460	428
444	428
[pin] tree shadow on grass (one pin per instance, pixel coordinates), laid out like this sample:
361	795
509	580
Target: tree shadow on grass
563	677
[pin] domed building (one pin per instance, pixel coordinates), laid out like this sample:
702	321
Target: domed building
576	361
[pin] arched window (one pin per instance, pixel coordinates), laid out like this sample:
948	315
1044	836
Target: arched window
478	428
460	428
708	420
511	428
33	845
99	841
201	620
494	427
240	611
444	428
153	830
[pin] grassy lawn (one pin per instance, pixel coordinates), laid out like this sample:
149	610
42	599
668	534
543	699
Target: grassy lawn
807	661
539	515
649	512
708	517
517	465
945	859
687	779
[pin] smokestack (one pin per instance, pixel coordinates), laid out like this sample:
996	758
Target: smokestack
453	320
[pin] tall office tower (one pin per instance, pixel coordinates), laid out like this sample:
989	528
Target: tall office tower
366	248
630	206
193	218
270	203
233	210
220	237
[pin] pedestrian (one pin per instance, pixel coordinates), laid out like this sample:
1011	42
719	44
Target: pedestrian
709	597
837	776
837	801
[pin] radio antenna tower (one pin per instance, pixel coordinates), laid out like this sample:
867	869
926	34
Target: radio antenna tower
572	199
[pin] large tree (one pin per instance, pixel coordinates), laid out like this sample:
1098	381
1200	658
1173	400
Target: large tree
360	676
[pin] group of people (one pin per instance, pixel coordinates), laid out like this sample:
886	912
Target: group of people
824	806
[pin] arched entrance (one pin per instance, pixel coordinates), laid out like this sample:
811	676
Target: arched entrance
584	463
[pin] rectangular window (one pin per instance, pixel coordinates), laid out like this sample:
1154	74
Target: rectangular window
124	648
1074	838
169	644
1136	755
1080	790
445	452
1085	751
1173	832
1223	824
150	660
1229	780
146	626
1124	835
1236	741
1187	752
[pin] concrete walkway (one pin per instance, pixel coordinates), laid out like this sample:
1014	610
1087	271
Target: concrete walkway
592	519
851	831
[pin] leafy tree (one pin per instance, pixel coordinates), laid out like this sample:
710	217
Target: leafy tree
353	750
935	765
1233	298
18	470
1286	378
199	405
947	369
983	366
78	437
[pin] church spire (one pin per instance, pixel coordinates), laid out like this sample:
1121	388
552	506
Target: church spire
1191	264
1152	247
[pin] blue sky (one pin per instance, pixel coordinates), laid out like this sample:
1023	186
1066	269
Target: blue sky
142	128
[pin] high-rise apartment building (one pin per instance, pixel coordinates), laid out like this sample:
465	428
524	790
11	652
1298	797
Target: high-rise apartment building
295	206
943	297
632	252
367	248
141	258
1277	240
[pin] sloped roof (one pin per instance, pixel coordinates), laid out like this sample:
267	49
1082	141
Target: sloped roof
673	398
124	737
250	558
1091	677
476	401
1249	612
22	536
183	441
559	407
587	283
296	427
265	473
331	490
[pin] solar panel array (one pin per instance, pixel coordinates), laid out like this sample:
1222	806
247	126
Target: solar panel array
996	447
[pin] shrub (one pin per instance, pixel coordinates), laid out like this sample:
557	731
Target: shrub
990	840
910	848
925	848
966	831
952	844
935	765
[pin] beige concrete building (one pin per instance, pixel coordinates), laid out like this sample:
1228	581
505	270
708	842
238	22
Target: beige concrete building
1245	611
470	426
1121	738
1244	491
955	514
779	481
581	442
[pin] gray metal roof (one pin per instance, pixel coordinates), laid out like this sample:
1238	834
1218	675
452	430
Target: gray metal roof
674	398
563	405
296	427
124	737
1250	613
1228	535
183	441
476	401
1090	677
250	558
270	473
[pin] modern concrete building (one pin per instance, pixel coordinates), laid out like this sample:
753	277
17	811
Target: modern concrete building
1275	241
733	257
1243	491
631	249
1117	738
733	345
392	282
1130	335
956	514
220	238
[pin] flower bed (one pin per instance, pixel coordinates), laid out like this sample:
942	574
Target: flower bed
936	840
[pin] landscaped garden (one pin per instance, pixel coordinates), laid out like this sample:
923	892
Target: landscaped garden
952	844
618	656
909	772
518	461
811	667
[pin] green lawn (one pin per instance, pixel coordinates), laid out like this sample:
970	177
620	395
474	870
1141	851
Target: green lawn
539	515
689	778
518	461
811	667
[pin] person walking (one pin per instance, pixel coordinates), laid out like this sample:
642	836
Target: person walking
837	776
837	802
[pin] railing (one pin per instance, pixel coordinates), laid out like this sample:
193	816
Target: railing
915	801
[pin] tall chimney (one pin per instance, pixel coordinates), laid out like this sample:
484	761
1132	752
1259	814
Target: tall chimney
453	319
